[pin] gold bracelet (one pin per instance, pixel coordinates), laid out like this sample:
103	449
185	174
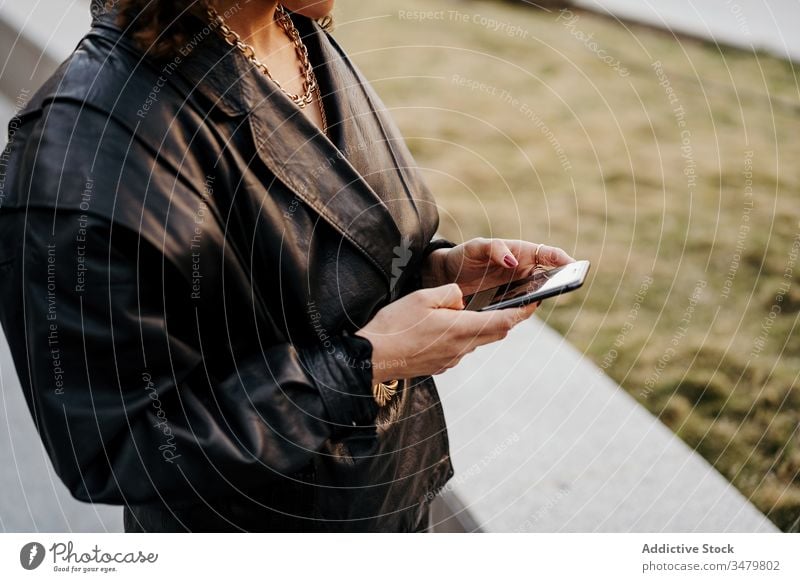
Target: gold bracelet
383	391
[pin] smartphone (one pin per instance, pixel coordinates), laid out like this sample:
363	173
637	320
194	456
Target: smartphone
540	285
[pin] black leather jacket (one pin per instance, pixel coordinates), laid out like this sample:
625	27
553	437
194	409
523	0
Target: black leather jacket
183	260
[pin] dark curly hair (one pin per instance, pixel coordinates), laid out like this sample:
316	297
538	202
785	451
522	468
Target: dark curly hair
160	28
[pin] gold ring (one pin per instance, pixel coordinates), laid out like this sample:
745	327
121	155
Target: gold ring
536	256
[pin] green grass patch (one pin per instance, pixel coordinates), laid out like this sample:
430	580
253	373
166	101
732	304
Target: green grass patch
684	172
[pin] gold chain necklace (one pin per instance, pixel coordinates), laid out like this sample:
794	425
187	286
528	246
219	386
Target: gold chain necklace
310	85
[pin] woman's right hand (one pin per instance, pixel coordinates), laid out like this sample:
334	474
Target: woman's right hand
428	331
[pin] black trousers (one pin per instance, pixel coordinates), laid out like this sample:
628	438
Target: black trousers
228	517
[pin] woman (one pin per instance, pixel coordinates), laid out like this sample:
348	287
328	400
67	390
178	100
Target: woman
219	284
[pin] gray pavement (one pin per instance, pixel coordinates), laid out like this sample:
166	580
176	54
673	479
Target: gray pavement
767	25
53	26
33	499
36	36
543	441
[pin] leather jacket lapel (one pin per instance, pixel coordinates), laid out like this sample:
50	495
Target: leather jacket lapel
363	188
294	150
369	144
307	162
385	163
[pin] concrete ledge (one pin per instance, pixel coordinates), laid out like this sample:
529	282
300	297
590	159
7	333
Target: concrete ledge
543	441
33	498
752	25
36	37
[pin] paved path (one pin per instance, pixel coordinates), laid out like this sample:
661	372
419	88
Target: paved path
768	25
33	498
543	441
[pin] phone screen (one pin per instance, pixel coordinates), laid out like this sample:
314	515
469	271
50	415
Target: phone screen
541	283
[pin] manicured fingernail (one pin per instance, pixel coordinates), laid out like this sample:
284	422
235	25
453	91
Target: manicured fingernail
510	261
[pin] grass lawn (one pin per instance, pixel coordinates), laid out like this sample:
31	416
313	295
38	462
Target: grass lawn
672	164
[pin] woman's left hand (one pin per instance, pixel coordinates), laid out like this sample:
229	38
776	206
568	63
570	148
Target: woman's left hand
483	263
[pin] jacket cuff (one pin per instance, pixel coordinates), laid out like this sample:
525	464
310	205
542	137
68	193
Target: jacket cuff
435	245
342	373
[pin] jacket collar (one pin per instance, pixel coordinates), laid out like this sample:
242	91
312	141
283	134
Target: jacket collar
301	157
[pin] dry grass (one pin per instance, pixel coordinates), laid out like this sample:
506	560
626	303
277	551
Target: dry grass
618	193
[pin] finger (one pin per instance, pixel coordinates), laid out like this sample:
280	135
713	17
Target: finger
553	256
475	324
548	256
522	313
445	296
501	255
480	328
474	329
494	251
510	317
469	344
477	342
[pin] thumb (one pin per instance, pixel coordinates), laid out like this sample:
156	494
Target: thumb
448	296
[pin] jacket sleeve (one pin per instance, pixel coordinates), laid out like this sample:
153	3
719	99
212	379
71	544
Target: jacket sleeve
432	245
435	245
126	407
